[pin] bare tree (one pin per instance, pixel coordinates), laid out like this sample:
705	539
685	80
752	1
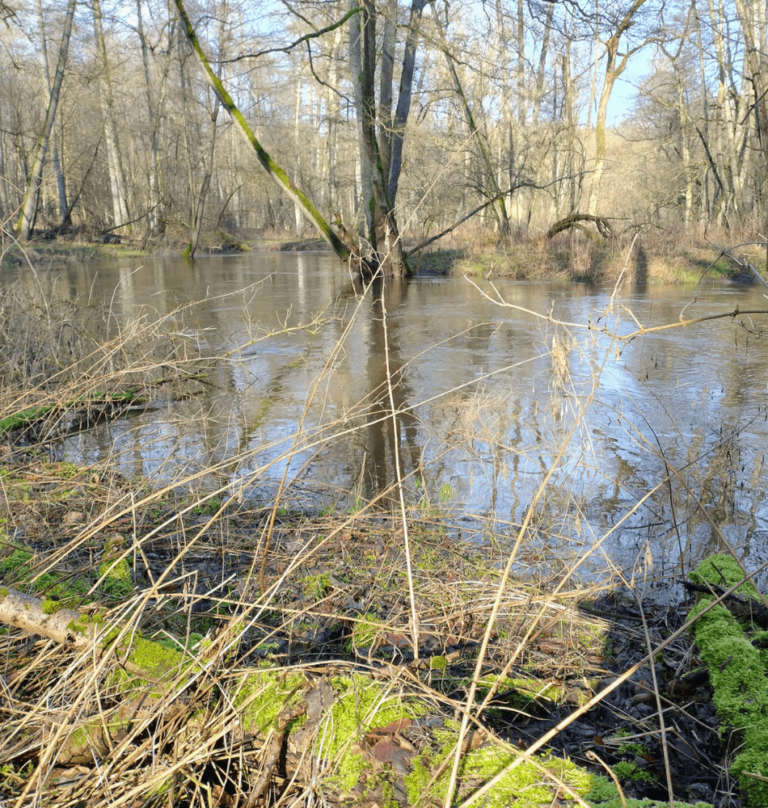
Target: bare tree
26	221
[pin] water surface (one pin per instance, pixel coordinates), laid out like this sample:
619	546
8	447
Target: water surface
486	397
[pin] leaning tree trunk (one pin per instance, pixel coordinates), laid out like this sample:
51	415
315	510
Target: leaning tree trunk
267	163
29	210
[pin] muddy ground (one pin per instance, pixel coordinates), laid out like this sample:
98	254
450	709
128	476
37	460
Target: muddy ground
339	593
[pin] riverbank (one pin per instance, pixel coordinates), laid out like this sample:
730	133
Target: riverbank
210	639
568	256
335	601
592	260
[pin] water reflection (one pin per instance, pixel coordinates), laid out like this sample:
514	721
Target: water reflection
484	398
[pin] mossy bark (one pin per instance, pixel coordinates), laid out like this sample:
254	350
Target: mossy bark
737	671
268	164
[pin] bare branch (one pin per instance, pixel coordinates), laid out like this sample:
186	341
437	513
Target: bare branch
299	41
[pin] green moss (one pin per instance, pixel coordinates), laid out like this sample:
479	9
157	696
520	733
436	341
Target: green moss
208	508
51	606
524	787
522	692
3	592
264	695
722	570
80	626
632	749
115	571
180	644
365	631
361	704
604	794
738	677
16	564
438	663
154	659
630	771
90	734
316	586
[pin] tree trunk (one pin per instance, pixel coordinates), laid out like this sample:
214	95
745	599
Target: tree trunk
757	67
268	164
117	185
542	66
499	208
383	236
204	186
356	72
404	98
613	70
29	210
297	214
385	85
155	224
61	186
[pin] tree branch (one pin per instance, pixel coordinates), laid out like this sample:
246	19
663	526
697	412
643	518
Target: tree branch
524	184
299	41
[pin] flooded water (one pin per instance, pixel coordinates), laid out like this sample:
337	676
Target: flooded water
490	401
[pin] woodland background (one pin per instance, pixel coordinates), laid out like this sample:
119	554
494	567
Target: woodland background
504	94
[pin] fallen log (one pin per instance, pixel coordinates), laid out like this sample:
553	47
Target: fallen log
99	403
576	219
354	734
739	606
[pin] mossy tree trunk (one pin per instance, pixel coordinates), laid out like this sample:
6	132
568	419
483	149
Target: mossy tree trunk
286	184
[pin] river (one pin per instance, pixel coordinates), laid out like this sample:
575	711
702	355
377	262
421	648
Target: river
490	401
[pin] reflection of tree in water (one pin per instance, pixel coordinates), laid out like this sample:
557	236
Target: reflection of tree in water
380	436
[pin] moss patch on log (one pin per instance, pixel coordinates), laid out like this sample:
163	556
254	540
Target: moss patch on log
737	671
263	695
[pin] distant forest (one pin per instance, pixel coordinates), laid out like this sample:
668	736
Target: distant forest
390	118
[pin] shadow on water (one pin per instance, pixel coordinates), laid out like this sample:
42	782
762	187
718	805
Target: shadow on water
641	268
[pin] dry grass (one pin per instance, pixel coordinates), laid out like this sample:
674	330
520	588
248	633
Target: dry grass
660	256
